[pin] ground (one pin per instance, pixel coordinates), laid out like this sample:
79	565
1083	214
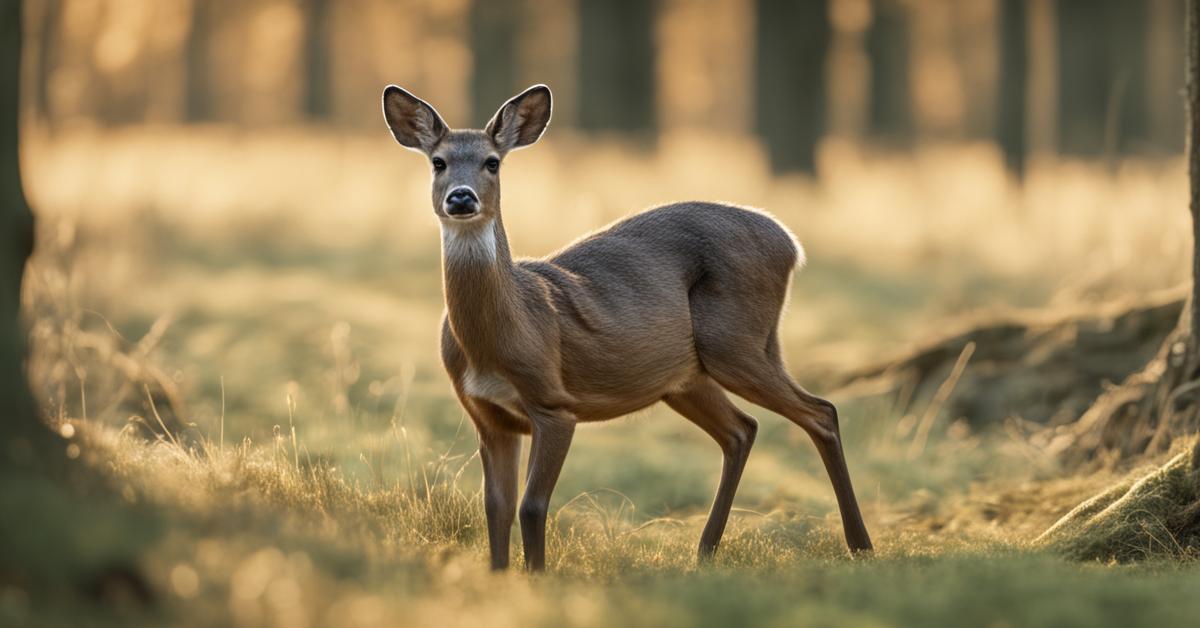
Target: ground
241	335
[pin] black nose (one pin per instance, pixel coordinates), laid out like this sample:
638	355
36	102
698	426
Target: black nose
462	202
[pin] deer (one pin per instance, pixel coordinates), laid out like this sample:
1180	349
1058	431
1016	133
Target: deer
680	303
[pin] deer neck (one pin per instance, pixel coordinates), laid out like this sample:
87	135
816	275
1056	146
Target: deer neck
479	279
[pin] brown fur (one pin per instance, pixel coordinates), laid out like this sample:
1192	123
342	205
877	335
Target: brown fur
676	304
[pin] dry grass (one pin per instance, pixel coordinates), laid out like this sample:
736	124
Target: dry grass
273	300
247	536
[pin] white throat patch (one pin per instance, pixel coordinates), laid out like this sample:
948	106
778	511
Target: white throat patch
473	240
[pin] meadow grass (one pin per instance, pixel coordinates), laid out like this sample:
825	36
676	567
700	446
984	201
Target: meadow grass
256	535
285	287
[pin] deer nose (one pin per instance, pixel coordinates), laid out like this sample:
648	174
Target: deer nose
462	202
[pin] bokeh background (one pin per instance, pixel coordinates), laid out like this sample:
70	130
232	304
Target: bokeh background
1061	77
792	87
227	224
216	176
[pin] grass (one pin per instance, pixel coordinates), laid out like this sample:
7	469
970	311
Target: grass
1145	515
247	536
273	300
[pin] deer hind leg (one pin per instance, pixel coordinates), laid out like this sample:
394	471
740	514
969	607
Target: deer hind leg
754	371
706	405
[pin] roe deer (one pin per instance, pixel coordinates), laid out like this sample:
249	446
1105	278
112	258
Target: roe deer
678	304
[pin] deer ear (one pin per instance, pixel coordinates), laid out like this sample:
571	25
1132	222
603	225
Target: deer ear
414	122
521	120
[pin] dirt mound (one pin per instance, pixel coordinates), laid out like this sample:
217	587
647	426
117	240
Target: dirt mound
1046	368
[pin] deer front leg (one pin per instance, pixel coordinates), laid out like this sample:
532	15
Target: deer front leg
500	452
552	433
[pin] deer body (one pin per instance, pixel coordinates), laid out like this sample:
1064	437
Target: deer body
609	319
677	304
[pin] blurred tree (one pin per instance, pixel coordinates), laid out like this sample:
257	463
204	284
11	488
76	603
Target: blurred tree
318	31
617	68
49	26
1102	69
889	116
494	29
197	104
1165	62
26	445
1014	71
791	45
53	532
20	429
1190	324
1042	115
974	41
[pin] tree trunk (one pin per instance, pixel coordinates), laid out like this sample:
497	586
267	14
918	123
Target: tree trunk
1165	61
1190	322
617	66
49	26
197	100
1083	77
1102	77
1014	72
889	118
20	429
1128	124
316	51
494	29
791	45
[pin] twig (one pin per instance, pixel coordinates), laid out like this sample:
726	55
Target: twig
222	414
154	409
917	447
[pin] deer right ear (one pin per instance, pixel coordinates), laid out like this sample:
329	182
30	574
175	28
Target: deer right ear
414	122
521	120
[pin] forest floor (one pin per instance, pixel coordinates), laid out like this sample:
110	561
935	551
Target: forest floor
259	384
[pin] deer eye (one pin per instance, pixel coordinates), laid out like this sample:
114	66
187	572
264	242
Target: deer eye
492	164
439	164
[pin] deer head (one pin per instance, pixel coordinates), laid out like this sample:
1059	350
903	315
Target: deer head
466	163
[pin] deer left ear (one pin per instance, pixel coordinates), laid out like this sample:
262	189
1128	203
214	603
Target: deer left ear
414	122
521	120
